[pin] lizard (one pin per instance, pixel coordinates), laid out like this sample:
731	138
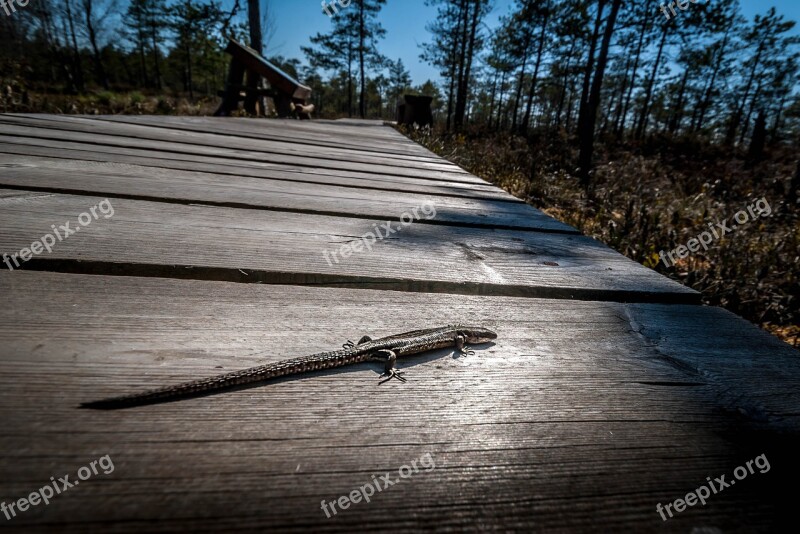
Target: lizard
386	349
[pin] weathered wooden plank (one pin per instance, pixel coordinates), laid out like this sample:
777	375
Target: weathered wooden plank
419	170
119	129
332	133
583	416
221	166
141	183
270	131
364	130
175	151
283	247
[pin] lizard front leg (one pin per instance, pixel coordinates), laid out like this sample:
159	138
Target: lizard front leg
390	371
461	346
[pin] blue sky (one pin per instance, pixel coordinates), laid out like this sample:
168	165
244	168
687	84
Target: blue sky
405	22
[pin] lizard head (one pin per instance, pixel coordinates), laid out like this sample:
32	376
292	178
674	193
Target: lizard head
477	334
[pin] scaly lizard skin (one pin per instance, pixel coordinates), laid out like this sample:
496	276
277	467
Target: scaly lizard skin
386	349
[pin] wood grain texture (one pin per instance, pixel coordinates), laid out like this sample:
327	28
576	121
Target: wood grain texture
277	132
138	182
368	137
202	138
378	139
286	173
583	416
160	143
284	247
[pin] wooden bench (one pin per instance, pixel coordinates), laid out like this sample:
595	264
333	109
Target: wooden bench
289	95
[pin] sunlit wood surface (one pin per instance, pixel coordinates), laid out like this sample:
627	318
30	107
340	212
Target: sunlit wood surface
608	391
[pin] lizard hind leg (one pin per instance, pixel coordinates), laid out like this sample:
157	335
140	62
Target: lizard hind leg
390	371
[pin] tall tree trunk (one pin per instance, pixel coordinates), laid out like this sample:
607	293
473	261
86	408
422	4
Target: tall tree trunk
500	104
473	32
189	80
712	82
494	95
570	105
252	101
535	79
462	33
362	101
606	117
618	110
156	59
143	60
750	112
778	115
78	64
98	59
641	128
696	114
677	114
639	49
450	91
520	83
564	86
350	85
452	83
736	119
587	75
59	59
759	140
587	135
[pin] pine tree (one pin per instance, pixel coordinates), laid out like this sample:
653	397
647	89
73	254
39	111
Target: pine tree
590	106
768	45
92	20
146	21
399	80
351	43
192	23
335	51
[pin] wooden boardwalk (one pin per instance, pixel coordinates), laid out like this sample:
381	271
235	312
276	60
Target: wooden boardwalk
609	390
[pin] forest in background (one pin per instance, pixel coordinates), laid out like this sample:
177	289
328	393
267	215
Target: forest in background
160	56
620	68
635	127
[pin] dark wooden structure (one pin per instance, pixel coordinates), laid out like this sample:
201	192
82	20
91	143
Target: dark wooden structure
609	390
414	109
287	93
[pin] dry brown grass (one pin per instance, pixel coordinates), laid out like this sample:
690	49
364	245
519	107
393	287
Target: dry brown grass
654	197
104	103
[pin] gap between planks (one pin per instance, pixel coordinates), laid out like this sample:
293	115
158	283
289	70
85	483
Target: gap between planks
438	173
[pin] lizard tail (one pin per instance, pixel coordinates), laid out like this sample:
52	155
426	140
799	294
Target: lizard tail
201	387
